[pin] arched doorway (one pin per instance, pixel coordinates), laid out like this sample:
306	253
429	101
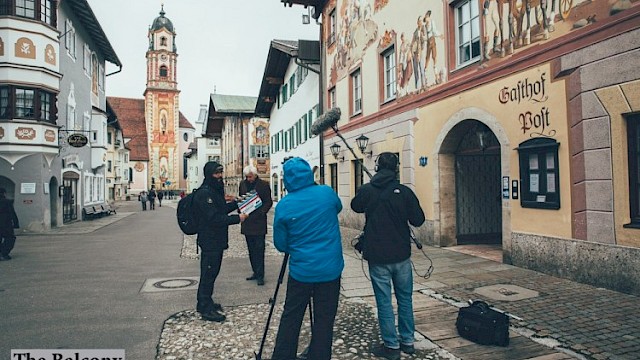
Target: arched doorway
461	136
477	185
70	196
8	185
53	200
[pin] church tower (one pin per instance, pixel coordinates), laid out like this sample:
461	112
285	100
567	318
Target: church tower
161	103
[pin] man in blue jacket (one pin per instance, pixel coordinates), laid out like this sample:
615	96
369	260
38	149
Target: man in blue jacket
306	227
390	207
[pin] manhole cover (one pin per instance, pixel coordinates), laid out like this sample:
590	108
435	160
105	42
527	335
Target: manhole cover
174	283
170	284
506	292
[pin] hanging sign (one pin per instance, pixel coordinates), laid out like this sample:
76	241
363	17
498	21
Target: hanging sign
77	140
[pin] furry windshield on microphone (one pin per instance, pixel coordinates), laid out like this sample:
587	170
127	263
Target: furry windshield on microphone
326	121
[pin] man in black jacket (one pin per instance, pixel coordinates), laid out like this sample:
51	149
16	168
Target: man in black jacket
210	203
255	227
8	221
389	208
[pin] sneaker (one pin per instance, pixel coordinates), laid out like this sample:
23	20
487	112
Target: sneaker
252	277
407	349
260	282
385	352
213	316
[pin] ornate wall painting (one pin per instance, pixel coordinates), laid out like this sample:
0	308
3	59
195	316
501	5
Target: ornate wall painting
50	54
24	48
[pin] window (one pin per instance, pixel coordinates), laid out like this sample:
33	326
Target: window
163	71
332	27
260	151
185	136
108	137
389	68
163	41
101	77
467	32
358	175
333	169
539	174
109	165
26	103
332	97
356	92
94	73
46	12
633	141
26	8
299	129
70	38
285	93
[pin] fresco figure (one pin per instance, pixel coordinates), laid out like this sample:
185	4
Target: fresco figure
417	44
405	67
430	34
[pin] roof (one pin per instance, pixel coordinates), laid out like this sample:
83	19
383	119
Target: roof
89	22
162	22
183	122
278	59
233	104
130	113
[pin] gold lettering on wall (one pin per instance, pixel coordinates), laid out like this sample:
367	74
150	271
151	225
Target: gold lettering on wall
25	48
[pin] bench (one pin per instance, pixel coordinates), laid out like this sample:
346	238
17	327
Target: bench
107	209
89	213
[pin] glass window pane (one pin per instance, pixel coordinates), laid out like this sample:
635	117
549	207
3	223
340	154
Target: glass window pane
466	33
533	161
551	182
474	8
465	12
551	163
475	28
534	183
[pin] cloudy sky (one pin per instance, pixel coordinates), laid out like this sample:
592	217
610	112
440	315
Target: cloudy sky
220	43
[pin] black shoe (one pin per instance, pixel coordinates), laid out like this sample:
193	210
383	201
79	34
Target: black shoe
385	352
407	349
213	316
3	258
8	256
215	307
252	277
260	282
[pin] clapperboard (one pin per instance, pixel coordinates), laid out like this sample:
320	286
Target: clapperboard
249	202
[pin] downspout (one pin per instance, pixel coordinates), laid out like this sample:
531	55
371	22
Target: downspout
115	72
321	97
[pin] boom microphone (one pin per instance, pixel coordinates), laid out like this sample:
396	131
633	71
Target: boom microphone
326	121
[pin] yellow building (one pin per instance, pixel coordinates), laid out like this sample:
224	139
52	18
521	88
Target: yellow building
520	130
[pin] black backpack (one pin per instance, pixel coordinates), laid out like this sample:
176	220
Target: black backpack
186	214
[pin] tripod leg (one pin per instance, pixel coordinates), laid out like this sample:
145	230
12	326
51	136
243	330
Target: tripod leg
304	355
273	305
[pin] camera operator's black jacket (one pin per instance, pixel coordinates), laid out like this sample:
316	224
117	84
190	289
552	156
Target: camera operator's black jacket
387	234
213	219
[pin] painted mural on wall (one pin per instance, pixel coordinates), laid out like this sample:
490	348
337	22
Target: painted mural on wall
419	43
501	28
515	24
260	136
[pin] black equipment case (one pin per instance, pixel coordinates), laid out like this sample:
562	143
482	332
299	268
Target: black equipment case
483	325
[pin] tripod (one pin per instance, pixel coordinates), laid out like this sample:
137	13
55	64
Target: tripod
272	301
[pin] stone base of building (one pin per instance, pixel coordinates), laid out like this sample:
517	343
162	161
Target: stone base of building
602	265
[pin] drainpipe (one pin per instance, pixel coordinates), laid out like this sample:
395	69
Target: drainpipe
321	97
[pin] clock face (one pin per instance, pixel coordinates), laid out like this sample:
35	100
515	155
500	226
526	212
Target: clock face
163	57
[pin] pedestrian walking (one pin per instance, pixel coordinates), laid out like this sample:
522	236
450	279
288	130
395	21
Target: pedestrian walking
152	198
389	208
213	236
306	227
160	196
255	227
143	199
8	222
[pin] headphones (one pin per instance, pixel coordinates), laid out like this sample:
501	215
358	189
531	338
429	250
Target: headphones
387	160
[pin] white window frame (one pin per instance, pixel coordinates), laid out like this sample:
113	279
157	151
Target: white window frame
70	39
468	27
356	90
389	68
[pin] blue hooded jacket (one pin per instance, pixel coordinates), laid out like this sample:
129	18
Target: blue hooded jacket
306	226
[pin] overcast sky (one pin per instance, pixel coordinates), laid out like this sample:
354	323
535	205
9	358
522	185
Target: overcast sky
219	43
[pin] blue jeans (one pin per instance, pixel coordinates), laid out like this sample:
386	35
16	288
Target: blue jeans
382	277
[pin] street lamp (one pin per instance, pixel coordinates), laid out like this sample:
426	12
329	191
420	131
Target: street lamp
335	151
362	142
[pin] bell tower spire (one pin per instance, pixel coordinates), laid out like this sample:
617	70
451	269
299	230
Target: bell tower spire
162	113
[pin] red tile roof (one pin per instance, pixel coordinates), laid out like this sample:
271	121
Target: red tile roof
184	123
130	113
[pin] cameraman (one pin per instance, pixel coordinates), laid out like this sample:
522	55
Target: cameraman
389	207
306	227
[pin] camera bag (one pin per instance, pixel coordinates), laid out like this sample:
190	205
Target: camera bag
483	325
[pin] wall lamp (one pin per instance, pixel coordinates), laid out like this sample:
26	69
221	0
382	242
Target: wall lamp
362	142
335	151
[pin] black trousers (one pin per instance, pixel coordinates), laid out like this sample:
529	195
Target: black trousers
210	262
325	306
255	244
7	241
